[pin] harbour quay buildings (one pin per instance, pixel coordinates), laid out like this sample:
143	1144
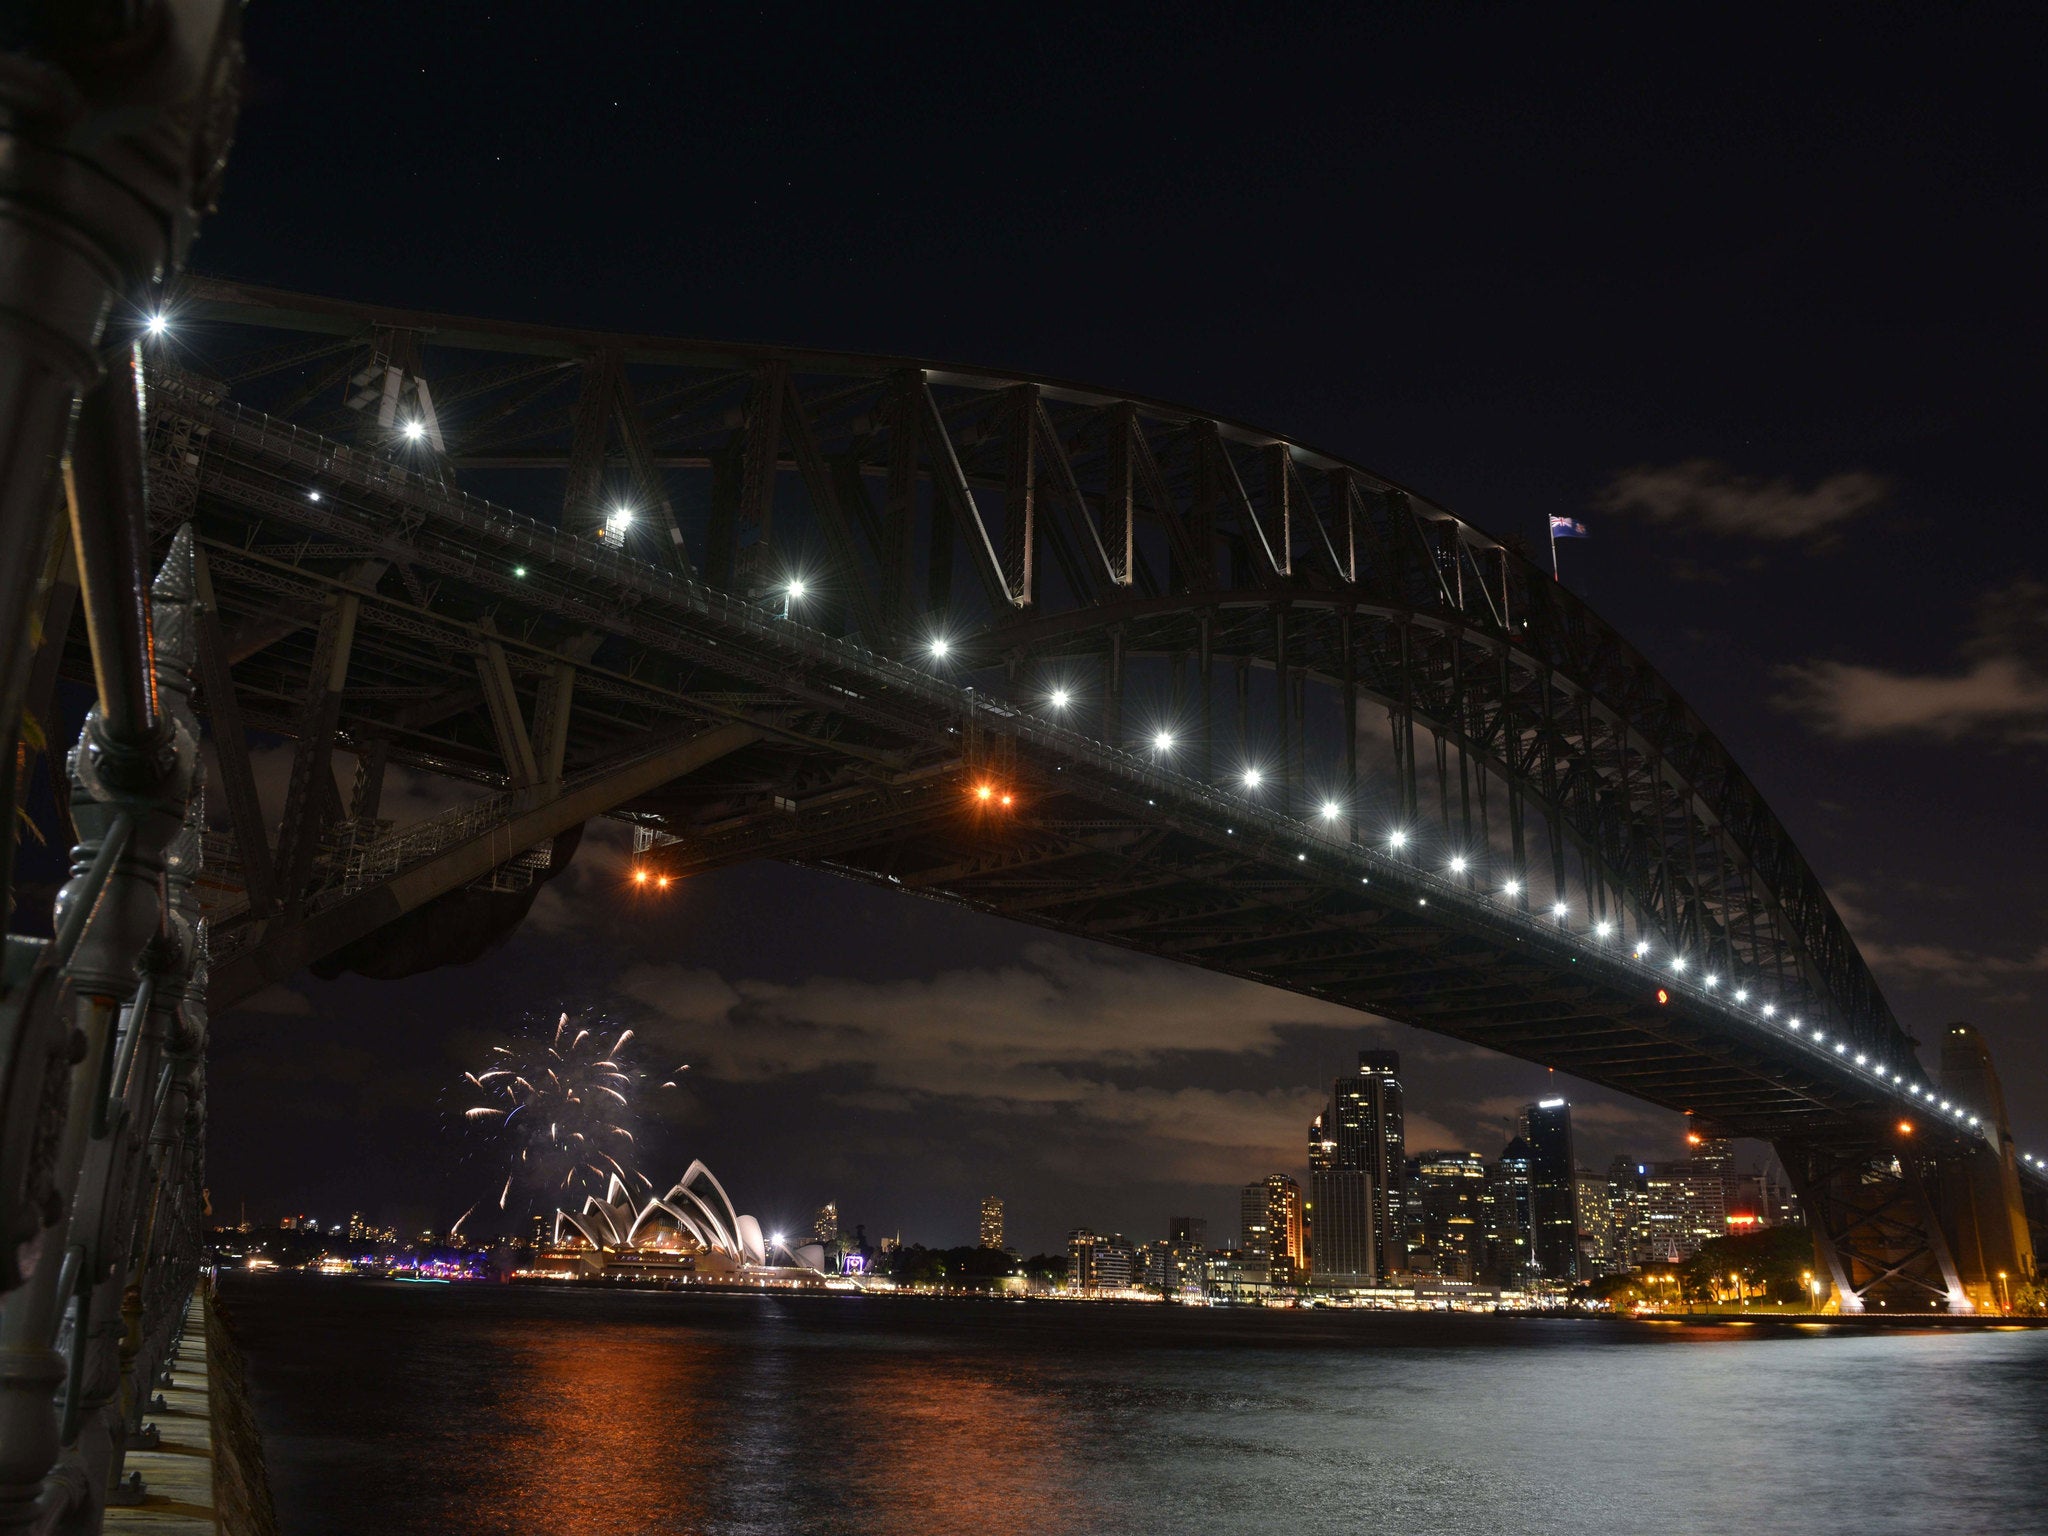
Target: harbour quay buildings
1373	1220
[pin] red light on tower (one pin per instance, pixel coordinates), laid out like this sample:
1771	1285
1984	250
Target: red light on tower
1905	1127
1663	997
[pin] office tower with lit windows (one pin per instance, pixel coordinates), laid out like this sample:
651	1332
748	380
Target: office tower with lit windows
1286	1256
825	1225
1363	1132
1450	1191
1340	1229
991	1221
1252	1231
1510	1219
1339	1213
1553	1190
1599	1246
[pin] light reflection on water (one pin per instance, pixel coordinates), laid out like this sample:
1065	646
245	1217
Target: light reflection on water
400	1409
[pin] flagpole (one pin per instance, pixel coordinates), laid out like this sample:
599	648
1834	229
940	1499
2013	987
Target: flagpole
1553	548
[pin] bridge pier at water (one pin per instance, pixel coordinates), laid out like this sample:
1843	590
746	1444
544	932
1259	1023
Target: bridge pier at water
1907	1224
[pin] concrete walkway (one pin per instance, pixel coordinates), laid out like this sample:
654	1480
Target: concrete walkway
177	1477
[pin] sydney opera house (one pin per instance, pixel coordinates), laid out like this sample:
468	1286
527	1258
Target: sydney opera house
692	1233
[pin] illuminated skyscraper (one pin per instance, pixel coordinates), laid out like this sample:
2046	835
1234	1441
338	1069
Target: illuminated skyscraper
1286	1255
1363	1132
1251	1222
1510	1222
825	1225
1451	1190
991	1221
1553	1191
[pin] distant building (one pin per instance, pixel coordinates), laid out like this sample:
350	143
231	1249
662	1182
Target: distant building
1101	1263
825	1225
1117	1266
1286	1254
1082	1249
1237	1275
1358	1171
1510	1215
1341	1208
1251	1219
1553	1191
1599	1235
1451	1191
1366	1124
1179	1265
991	1222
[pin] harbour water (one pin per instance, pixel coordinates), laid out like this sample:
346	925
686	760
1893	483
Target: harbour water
394	1409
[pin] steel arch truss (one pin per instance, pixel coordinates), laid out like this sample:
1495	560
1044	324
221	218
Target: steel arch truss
1038	524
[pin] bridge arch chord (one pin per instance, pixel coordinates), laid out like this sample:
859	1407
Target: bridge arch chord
1151	559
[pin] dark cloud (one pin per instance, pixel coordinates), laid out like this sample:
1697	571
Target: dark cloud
1706	493
2000	690
1055	1038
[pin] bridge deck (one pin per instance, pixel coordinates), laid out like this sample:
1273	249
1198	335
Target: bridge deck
177	1477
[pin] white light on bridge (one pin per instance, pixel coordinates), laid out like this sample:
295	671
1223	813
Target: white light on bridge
1458	865
1397	839
1331	810
1678	962
1603	929
1742	994
414	431
1841	1047
312	495
796	591
1710	982
1252	777
1817	1036
1514	888
1059	698
1558	909
1163	742
1769	1009
158	324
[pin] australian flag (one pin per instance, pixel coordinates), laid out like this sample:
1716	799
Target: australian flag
1567	528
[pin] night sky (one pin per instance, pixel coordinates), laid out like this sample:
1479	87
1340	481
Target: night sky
1758	299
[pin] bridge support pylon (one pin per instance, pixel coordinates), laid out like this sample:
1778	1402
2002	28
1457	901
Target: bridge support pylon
1981	1193
1878	1238
1905	1221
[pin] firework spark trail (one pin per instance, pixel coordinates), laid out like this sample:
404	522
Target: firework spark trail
558	1106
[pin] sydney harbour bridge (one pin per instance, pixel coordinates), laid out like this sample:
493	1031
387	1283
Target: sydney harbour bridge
1116	667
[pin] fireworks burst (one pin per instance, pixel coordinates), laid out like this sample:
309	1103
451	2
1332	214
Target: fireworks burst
561	1107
